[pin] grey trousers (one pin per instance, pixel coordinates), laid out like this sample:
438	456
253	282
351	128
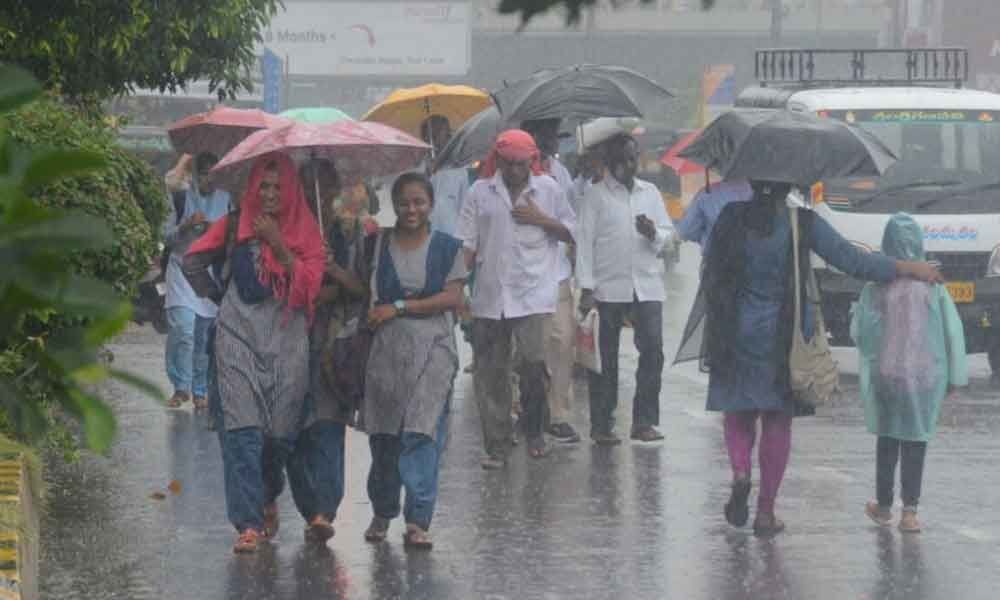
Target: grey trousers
492	344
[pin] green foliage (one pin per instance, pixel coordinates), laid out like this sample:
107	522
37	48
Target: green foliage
95	49
41	366
126	192
574	8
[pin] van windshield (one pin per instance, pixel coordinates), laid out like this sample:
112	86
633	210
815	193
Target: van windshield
941	152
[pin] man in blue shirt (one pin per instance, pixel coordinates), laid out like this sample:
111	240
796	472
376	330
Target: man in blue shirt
707	205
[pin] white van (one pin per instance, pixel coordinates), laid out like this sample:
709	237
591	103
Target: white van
947	177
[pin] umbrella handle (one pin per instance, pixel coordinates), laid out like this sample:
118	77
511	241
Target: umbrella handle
319	203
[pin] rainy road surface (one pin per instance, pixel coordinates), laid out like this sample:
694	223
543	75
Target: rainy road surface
637	521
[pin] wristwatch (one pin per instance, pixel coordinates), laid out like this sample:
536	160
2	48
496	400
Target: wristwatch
400	307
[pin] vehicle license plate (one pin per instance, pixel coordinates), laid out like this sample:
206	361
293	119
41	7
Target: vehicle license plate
962	292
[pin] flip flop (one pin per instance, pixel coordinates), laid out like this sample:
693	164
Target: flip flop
415	537
318	532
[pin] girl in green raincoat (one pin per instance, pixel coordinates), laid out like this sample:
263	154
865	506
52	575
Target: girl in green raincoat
912	354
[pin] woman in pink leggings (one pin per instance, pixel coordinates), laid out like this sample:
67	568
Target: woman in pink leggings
747	291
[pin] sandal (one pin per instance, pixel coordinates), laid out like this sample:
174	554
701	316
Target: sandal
200	403
767	526
537	447
271	521
378	530
416	537
737	511
492	463
646	434
319	530
248	542
178	399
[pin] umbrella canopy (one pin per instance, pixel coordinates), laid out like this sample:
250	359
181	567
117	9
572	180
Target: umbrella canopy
407	108
780	145
583	92
358	150
472	141
315	114
219	130
680	165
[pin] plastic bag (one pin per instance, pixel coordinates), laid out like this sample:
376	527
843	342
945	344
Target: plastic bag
588	343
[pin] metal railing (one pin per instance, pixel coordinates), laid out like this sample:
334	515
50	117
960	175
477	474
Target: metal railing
815	67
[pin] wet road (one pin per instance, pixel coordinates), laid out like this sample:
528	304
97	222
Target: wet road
637	521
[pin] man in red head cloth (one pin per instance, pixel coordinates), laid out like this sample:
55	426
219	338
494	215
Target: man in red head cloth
511	224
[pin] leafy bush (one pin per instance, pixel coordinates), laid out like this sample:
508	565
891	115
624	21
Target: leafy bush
126	192
42	367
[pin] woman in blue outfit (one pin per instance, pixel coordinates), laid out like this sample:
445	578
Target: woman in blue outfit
749	298
316	467
417	285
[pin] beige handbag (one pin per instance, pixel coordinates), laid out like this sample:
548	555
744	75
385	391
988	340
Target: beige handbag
814	377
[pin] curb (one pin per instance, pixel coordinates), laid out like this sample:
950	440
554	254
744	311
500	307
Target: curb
20	489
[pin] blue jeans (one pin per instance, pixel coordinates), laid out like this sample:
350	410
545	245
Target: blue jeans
316	470
409	460
254	471
187	359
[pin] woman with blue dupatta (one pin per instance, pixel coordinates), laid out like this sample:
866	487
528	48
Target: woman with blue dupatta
417	284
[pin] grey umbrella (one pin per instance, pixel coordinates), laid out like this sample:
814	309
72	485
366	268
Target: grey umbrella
791	147
472	141
583	92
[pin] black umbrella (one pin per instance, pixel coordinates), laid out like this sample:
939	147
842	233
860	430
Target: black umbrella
791	147
583	92
472	141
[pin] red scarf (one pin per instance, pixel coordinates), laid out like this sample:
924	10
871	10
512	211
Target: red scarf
299	232
516	145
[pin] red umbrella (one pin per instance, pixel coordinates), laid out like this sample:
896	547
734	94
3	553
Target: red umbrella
358	149
682	166
219	130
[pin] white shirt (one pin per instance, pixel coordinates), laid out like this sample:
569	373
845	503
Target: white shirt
560	173
179	292
612	258
450	186
516	266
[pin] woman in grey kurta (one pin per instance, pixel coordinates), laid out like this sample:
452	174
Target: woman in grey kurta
316	467
749	293
262	343
417	284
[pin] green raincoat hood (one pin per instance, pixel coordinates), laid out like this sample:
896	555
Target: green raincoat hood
903	238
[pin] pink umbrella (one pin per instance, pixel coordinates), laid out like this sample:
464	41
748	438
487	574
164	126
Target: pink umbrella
681	165
358	149
219	130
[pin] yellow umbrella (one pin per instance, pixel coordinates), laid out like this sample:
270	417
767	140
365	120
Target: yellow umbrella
408	108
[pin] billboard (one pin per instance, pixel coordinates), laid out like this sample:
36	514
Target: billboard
372	38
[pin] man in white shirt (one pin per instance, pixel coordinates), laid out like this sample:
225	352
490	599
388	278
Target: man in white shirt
623	227
561	335
511	224
449	185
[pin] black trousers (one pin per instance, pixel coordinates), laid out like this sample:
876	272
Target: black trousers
647	322
889	451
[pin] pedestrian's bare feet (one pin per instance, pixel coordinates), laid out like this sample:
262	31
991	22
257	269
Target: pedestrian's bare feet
646	433
767	525
881	516
319	530
377	530
417	537
909	523
178	399
247	542
271	520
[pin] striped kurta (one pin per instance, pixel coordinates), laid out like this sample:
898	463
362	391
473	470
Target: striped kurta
262	361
